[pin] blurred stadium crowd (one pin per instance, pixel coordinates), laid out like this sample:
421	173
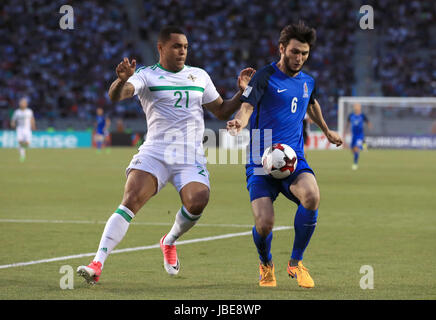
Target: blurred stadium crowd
66	74
406	63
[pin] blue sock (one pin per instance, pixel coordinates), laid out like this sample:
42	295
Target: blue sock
304	225
356	157
263	246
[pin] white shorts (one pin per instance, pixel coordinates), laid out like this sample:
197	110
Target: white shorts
178	174
24	135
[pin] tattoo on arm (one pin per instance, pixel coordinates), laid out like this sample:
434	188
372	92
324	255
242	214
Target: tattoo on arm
120	90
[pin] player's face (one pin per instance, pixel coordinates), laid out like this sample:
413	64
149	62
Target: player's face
23	104
357	108
99	112
173	52
294	55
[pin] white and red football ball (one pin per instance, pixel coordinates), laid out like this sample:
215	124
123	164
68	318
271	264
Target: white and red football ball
279	161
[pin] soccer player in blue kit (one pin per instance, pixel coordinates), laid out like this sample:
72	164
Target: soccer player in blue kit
277	98
101	130
357	121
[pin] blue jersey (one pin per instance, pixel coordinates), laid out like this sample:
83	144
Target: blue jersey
101	123
280	103
357	122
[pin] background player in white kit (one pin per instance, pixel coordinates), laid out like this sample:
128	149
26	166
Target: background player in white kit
24	122
172	95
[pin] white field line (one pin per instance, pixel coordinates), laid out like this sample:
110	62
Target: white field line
132	223
154	246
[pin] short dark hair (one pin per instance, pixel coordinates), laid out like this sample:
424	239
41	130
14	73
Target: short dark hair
165	33
299	31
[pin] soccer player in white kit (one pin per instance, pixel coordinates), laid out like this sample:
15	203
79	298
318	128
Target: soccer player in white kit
172	96
24	122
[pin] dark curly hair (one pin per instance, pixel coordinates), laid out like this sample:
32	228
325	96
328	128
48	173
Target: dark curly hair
299	31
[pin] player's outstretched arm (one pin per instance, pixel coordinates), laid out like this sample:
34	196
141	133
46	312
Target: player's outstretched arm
223	109
33	123
241	119
107	124
13	120
315	113
120	89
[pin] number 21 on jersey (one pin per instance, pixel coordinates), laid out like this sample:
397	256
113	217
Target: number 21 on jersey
179	95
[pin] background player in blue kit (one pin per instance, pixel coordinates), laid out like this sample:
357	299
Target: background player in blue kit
101	130
277	98
357	120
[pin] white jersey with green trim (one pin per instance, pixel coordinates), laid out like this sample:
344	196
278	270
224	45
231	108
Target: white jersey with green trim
172	103
23	119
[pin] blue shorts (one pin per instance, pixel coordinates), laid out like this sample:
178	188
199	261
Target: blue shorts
357	141
266	186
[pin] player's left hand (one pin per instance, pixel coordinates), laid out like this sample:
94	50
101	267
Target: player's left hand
244	78
234	126
334	138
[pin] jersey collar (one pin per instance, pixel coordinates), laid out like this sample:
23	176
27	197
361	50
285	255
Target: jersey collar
274	64
160	66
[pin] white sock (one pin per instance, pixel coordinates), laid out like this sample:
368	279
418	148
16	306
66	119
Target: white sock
22	152
184	222
114	231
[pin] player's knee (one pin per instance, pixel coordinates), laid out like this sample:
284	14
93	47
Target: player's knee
133	201
264	229
311	199
196	202
264	225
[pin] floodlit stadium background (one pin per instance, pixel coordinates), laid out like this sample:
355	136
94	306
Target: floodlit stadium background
53	206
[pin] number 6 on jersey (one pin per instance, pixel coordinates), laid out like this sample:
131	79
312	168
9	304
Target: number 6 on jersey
294	104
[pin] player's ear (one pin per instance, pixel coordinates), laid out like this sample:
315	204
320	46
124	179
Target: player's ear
159	47
281	48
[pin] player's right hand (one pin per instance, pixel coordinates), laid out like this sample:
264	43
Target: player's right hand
234	126
334	138
125	69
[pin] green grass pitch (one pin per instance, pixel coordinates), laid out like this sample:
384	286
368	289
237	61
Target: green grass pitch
382	215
